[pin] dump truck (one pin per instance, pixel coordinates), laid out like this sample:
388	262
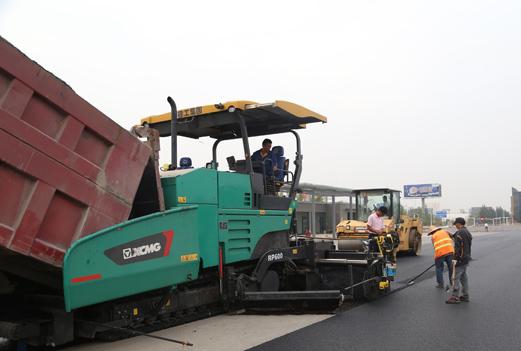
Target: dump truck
97	242
408	229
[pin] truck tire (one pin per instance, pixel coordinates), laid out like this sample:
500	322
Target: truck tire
415	242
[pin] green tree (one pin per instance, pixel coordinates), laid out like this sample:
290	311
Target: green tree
425	215
487	212
501	212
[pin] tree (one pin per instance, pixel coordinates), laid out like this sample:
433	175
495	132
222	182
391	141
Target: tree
487	212
425	216
501	212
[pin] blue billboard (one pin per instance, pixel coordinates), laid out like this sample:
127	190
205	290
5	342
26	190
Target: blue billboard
441	214
422	190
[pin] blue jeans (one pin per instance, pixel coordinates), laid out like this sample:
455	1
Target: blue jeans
439	267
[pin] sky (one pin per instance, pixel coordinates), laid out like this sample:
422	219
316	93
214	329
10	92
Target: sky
414	91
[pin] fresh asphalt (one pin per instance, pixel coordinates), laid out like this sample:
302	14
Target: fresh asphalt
416	316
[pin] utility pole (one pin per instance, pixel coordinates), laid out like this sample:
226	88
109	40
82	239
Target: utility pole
424	209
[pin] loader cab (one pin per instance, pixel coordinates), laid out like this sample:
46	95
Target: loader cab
368	200
240	120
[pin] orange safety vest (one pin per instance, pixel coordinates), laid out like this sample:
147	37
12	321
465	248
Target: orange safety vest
443	243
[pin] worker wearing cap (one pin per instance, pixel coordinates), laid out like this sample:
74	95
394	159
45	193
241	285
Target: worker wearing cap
443	252
462	243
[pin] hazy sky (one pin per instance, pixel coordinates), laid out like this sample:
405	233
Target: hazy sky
414	91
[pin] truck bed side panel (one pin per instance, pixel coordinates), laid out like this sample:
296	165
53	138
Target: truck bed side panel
66	169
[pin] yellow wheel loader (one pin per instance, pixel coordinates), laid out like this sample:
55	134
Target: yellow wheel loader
367	201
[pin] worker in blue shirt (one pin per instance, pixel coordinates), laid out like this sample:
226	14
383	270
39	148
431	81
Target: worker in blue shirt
264	156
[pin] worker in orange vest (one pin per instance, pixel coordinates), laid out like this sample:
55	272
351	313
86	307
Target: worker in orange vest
443	252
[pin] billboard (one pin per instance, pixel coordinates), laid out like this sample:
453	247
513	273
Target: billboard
441	214
422	190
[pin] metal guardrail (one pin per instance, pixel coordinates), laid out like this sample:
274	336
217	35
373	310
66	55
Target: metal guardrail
481	228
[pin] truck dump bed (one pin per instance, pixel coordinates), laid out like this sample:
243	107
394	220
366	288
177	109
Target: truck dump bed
66	169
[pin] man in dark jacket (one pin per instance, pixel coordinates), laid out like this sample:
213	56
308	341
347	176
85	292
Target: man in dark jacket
462	248
263	156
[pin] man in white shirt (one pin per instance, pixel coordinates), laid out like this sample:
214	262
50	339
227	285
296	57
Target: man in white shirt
375	226
375	222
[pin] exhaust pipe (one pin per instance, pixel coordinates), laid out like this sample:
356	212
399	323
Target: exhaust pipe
173	133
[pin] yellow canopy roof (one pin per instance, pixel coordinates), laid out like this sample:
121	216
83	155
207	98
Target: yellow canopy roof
220	120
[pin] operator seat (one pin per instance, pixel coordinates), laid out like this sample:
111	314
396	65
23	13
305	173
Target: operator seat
279	161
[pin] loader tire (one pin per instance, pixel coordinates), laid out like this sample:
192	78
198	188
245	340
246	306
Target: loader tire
415	242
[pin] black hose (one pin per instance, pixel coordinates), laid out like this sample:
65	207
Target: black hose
419	275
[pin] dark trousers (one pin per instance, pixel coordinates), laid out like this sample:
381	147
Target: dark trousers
439	267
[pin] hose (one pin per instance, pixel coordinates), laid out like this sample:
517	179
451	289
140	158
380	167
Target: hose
410	282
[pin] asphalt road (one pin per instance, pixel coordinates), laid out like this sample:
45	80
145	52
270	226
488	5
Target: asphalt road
417	318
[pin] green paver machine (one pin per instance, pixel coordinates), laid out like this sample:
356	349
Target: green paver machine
211	218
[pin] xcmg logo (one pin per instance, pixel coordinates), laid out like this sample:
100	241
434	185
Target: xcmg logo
141	251
146	248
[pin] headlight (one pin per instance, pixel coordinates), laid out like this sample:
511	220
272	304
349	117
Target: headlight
348	227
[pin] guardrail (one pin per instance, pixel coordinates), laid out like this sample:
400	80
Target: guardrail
481	228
